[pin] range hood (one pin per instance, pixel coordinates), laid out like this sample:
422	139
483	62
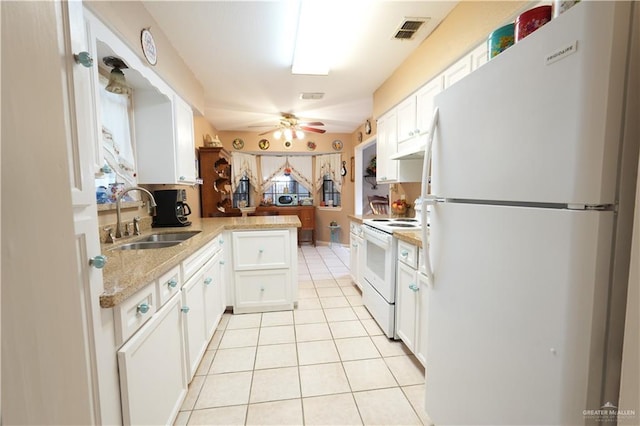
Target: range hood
412	149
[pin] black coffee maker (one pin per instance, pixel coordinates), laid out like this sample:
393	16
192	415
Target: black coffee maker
171	208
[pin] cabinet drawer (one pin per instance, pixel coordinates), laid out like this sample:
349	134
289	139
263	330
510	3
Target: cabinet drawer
131	314
262	290
408	254
168	285
199	258
261	250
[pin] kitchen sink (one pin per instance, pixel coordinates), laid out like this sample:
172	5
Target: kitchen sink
169	236
142	245
155	241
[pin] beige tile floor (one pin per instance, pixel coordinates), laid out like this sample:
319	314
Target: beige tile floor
325	363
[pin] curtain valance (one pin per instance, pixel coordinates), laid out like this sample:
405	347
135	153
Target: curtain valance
329	165
244	165
300	167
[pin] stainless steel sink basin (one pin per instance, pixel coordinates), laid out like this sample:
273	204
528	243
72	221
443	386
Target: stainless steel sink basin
142	245
169	236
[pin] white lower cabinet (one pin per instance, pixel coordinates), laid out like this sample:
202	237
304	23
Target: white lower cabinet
411	301
406	304
203	303
193	308
356	258
165	328
152	374
264	270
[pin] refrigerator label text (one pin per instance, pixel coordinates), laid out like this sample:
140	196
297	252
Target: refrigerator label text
562	53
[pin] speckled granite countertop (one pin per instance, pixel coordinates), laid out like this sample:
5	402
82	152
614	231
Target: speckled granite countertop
128	271
411	237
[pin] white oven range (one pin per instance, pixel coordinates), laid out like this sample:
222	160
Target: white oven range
379	286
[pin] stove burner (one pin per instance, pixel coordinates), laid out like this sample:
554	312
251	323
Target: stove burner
406	220
403	225
381	220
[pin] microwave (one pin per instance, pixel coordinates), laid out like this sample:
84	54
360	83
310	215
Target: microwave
287	200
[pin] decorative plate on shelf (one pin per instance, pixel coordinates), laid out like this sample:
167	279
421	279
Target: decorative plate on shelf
149	46
263	144
238	143
367	127
311	146
337	145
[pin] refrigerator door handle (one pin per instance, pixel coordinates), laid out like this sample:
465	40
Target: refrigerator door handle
427	199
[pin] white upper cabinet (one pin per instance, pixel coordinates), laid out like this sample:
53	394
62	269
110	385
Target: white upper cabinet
184	143
457	71
164	139
387	145
424	104
479	56
407	119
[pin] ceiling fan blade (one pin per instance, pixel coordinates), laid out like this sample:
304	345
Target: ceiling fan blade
311	129
311	123
264	133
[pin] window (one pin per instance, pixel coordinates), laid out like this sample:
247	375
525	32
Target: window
330	195
242	192
284	184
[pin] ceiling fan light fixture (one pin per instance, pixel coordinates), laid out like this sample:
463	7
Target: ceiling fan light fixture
299	134
277	134
288	134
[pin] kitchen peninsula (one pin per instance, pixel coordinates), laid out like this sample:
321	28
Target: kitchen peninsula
170	300
129	270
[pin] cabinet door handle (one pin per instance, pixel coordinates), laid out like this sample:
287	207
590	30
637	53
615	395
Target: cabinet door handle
414	287
221	241
261	288
182	178
172	283
143	308
404	253
260	250
84	59
416	132
410	133
98	262
208	280
185	309
222	262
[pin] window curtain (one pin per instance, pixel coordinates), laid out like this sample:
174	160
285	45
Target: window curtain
244	165
301	168
116	135
329	165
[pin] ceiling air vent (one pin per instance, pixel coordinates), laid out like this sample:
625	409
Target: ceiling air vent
311	96
408	28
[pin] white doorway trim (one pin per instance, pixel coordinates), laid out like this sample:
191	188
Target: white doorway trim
359	173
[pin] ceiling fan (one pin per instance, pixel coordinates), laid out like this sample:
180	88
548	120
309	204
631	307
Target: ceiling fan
291	127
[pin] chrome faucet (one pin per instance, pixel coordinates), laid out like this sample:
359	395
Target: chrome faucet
152	204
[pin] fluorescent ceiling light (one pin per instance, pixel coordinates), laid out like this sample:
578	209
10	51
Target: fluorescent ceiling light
313	47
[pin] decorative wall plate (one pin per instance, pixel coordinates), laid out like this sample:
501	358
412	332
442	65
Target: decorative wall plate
238	143
311	146
149	46
337	145
263	144
367	127
359	136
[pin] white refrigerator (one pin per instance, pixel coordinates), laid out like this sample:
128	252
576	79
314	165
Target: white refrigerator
533	158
